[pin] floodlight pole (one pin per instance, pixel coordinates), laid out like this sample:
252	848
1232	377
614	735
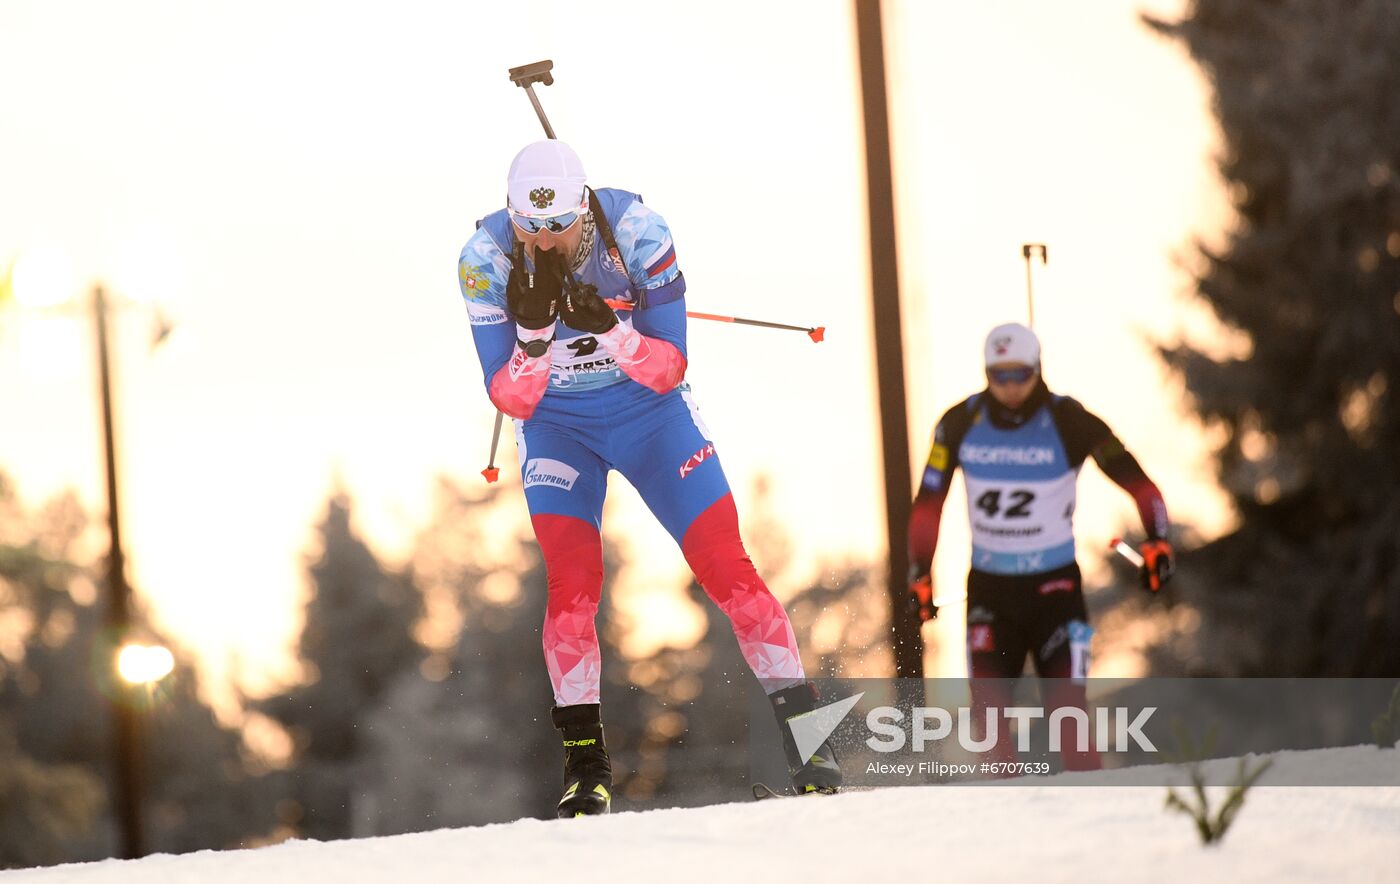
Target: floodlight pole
126	739
905	636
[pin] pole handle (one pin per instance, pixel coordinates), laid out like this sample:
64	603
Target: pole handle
526	76
535	72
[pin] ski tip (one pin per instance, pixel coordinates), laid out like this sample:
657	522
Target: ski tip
817	334
491	474
762	791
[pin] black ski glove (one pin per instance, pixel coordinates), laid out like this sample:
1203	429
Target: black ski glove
534	298
585	311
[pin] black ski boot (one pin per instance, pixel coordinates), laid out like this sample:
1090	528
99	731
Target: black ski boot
819	773
587	770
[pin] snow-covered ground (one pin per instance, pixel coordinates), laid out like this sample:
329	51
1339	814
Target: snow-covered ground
1035	833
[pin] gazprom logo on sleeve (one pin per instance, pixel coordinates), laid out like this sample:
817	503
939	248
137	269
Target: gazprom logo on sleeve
545	471
479	314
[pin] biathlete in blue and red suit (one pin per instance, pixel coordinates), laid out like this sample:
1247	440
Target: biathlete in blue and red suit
1020	448
592	389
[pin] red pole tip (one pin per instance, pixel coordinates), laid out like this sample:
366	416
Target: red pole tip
491	474
1112	544
817	334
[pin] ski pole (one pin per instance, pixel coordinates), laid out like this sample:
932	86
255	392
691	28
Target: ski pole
525	77
1121	547
816	333
1156	575
1028	249
493	472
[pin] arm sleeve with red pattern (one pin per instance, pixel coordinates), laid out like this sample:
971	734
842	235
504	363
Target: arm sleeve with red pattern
923	529
651	352
1085	434
517	387
933	486
1120	466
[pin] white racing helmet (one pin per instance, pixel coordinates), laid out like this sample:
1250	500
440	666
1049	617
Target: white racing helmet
1012	342
546	178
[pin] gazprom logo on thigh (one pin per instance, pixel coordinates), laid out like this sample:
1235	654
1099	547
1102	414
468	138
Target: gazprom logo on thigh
545	471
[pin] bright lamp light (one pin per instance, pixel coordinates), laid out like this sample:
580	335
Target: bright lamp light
148	268
44	279
144	664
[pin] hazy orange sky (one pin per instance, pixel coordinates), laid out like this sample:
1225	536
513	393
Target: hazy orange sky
293	181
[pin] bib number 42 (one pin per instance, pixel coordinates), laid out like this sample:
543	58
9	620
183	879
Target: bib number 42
1018	503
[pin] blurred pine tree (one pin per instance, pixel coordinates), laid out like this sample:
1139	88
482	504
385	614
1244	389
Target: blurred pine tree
1305	94
357	639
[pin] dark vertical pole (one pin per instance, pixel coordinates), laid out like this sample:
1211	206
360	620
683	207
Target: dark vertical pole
125	742
889	344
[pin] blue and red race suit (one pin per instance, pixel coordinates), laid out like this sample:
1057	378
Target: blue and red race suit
615	401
